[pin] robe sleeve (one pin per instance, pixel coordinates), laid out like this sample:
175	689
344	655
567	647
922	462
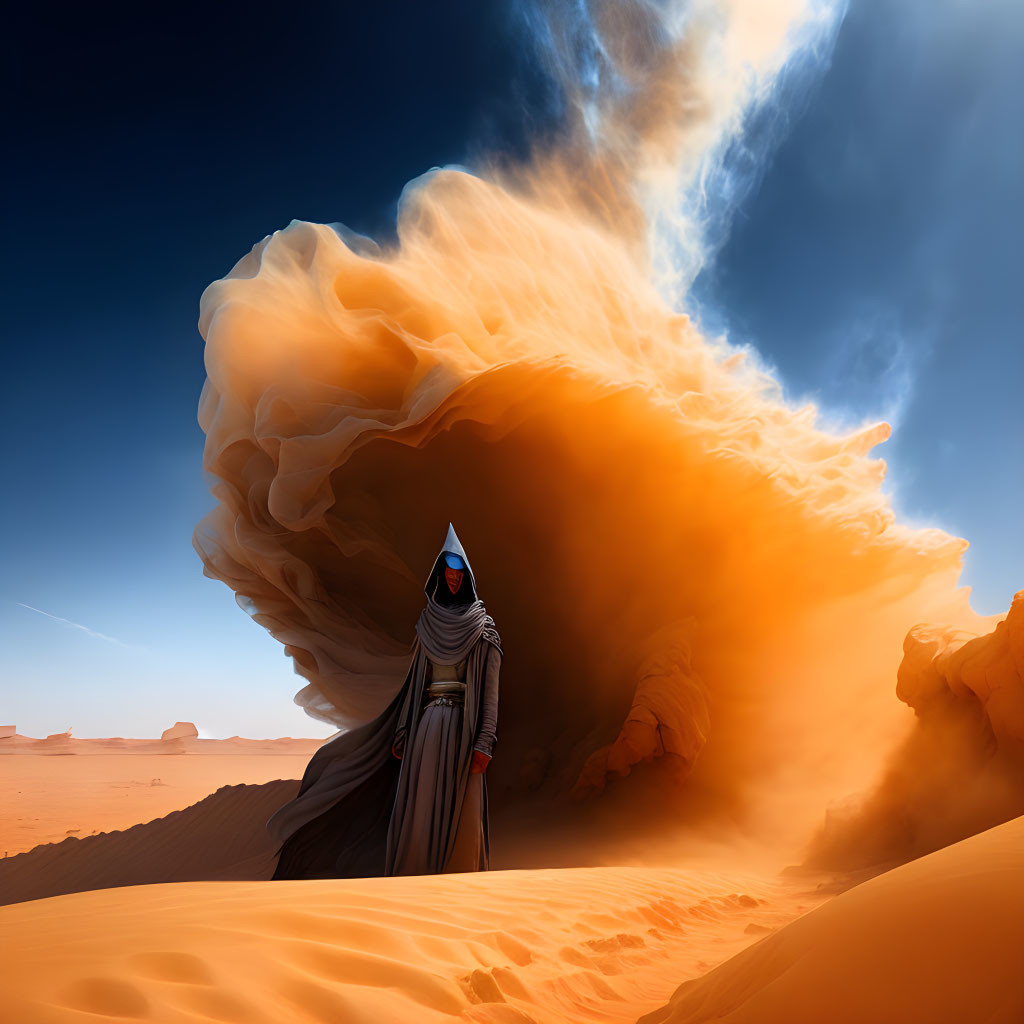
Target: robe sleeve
486	735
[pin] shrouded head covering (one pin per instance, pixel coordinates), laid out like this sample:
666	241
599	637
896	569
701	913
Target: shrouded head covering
452	555
452	623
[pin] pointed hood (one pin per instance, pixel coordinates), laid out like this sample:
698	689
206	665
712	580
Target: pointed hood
452	546
449	631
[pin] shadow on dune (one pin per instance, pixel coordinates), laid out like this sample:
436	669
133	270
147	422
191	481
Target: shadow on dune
220	838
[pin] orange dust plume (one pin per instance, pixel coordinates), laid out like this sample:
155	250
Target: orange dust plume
961	770
702	595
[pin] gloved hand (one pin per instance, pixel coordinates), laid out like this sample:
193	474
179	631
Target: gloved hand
480	762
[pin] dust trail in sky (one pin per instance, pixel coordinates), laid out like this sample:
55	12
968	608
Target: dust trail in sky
671	111
702	595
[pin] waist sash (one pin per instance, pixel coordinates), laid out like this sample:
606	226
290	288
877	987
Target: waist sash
449	692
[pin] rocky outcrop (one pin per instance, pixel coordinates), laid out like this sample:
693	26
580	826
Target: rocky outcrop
943	667
961	771
180	731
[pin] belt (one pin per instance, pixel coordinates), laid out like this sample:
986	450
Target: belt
446	693
446	702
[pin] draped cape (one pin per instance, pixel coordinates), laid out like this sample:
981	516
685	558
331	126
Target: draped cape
346	819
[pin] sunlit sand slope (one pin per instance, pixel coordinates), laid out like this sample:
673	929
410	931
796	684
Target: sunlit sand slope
938	941
585	944
53	789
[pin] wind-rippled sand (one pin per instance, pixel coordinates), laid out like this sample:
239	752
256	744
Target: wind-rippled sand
935	941
580	944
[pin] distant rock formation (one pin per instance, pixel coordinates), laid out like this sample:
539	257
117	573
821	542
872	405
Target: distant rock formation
943	666
8	732
180	731
58	737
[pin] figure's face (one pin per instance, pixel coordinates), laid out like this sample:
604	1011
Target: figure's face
453	577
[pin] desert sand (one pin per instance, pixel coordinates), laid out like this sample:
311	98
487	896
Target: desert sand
173	919
934	941
938	941
221	837
582	944
50	790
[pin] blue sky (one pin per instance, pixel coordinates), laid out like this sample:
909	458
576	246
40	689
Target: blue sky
876	266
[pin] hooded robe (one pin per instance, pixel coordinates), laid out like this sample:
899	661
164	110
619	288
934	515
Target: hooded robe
360	811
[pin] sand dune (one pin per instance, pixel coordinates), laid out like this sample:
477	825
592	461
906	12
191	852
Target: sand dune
80	786
938	941
584	944
935	941
221	837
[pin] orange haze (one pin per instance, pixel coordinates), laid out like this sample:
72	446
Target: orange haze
695	584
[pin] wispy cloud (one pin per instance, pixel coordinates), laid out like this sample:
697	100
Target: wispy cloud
77	625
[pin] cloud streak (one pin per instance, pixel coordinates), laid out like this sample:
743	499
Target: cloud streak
76	625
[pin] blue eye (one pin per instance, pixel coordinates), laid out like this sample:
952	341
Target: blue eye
454	562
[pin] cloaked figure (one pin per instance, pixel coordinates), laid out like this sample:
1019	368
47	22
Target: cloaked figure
405	794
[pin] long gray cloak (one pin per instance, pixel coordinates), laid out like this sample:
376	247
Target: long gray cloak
354	813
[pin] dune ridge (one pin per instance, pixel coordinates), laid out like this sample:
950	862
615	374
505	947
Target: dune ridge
102	785
938	941
220	837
